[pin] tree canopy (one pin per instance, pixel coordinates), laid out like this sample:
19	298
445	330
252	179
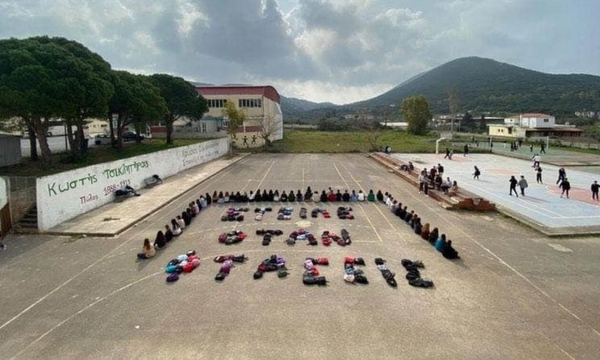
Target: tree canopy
44	78
415	111
181	98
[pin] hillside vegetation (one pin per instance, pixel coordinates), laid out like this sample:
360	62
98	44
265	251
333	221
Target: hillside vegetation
487	86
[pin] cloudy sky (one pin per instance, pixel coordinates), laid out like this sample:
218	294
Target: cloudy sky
320	50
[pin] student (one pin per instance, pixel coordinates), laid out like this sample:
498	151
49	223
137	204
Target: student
360	196
215	197
418	228
291	196
338	195
203	202
594	189
346	196
209	199
379	196
251	196
449	252
226	197
433	236
476	173
446	185
271	195
437	182
523	184
402	213
425	231
180	222
148	250
276	196
283	197
562	174
538	175
160	241
220	198
265	195
195	209
187	219
324	197
513	186
408	217
299	196
371	196
308	194
440	243
330	195
258	196
176	229
168	234
565	185
316	197
353	196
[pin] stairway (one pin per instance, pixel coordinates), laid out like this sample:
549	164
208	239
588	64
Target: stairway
28	224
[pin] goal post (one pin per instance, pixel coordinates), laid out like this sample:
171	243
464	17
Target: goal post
444	135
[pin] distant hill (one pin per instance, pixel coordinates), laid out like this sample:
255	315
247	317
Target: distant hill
489	85
297	108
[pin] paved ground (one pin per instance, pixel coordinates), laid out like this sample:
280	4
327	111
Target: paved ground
515	294
542	207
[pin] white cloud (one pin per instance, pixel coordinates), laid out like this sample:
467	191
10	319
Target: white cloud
322	50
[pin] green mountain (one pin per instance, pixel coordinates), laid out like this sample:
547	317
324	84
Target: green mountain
485	85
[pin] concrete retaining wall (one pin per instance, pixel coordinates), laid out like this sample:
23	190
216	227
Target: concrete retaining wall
63	196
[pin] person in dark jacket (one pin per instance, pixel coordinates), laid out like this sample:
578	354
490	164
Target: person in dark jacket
160	241
265	195
187	219
379	196
299	196
291	196
513	185
449	252
338	195
433	236
258	196
565	185
168	233
208	199
323	196
283	197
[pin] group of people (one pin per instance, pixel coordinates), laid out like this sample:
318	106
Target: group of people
413	220
174	229
265	195
434	179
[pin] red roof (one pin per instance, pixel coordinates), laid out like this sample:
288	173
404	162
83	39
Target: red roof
267	91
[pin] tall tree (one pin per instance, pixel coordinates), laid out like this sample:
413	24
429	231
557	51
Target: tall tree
43	78
415	111
136	102
235	119
181	98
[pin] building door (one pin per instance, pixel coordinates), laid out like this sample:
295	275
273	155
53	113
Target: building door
4	221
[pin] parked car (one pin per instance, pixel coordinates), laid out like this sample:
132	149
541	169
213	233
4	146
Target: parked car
102	139
131	136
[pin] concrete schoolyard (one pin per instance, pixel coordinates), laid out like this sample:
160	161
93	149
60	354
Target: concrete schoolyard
515	293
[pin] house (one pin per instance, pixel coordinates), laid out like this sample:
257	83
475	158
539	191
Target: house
96	126
532	125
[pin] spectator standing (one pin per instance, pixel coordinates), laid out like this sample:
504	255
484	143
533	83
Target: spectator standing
466	150
538	175
594	189
523	184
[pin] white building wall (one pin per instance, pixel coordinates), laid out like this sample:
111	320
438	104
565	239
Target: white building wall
63	196
3	192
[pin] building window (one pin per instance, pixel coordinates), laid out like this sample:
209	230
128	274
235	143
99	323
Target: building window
545	120
250	103
216	103
203	127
